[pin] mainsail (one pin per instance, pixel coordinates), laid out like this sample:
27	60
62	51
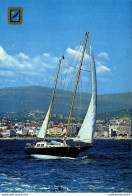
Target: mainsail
86	132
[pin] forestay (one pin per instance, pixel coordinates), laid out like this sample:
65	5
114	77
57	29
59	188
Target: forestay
87	129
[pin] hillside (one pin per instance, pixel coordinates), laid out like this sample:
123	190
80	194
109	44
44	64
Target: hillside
30	98
107	116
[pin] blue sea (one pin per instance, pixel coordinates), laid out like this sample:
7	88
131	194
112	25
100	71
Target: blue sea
106	167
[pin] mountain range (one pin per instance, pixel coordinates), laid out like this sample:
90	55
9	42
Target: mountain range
13	99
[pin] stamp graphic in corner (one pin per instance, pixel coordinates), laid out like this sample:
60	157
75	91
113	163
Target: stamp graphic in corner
15	15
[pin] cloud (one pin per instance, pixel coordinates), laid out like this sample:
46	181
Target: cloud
100	68
46	60
7	60
24	69
21	66
32	73
46	54
23	61
104	55
23	56
6	73
77	52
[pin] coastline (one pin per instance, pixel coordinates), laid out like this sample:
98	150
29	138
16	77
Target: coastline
35	138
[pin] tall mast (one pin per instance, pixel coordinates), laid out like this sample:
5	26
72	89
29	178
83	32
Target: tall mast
64	141
53	95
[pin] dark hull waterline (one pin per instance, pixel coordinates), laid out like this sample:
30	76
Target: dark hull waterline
61	151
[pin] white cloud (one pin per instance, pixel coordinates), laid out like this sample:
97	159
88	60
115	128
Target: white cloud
100	68
27	64
46	54
47	65
46	60
104	55
23	56
77	52
20	66
6	73
7	60
23	61
31	73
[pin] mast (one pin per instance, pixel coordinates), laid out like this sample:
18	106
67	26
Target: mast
53	95
64	141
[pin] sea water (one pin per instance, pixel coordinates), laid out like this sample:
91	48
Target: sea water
106	167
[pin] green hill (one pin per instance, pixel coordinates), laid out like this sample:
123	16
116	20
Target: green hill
106	116
30	98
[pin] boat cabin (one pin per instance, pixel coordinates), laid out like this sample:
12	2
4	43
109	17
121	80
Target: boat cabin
41	144
45	144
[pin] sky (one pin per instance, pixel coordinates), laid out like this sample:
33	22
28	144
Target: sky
29	53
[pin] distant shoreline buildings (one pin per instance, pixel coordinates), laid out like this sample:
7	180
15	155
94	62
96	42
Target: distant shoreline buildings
118	128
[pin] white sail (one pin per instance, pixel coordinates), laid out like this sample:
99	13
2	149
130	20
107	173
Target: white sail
44	126
43	130
86	132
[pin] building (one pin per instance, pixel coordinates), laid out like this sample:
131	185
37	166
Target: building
73	129
101	129
120	131
8	133
32	131
55	131
22	131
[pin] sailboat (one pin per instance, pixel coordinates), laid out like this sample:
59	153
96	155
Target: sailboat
84	139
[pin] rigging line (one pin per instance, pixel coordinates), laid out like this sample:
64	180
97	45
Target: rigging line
76	52
69	86
72	59
79	97
79	47
52	75
64	80
67	98
62	110
81	108
64	102
50	94
77	68
71	80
